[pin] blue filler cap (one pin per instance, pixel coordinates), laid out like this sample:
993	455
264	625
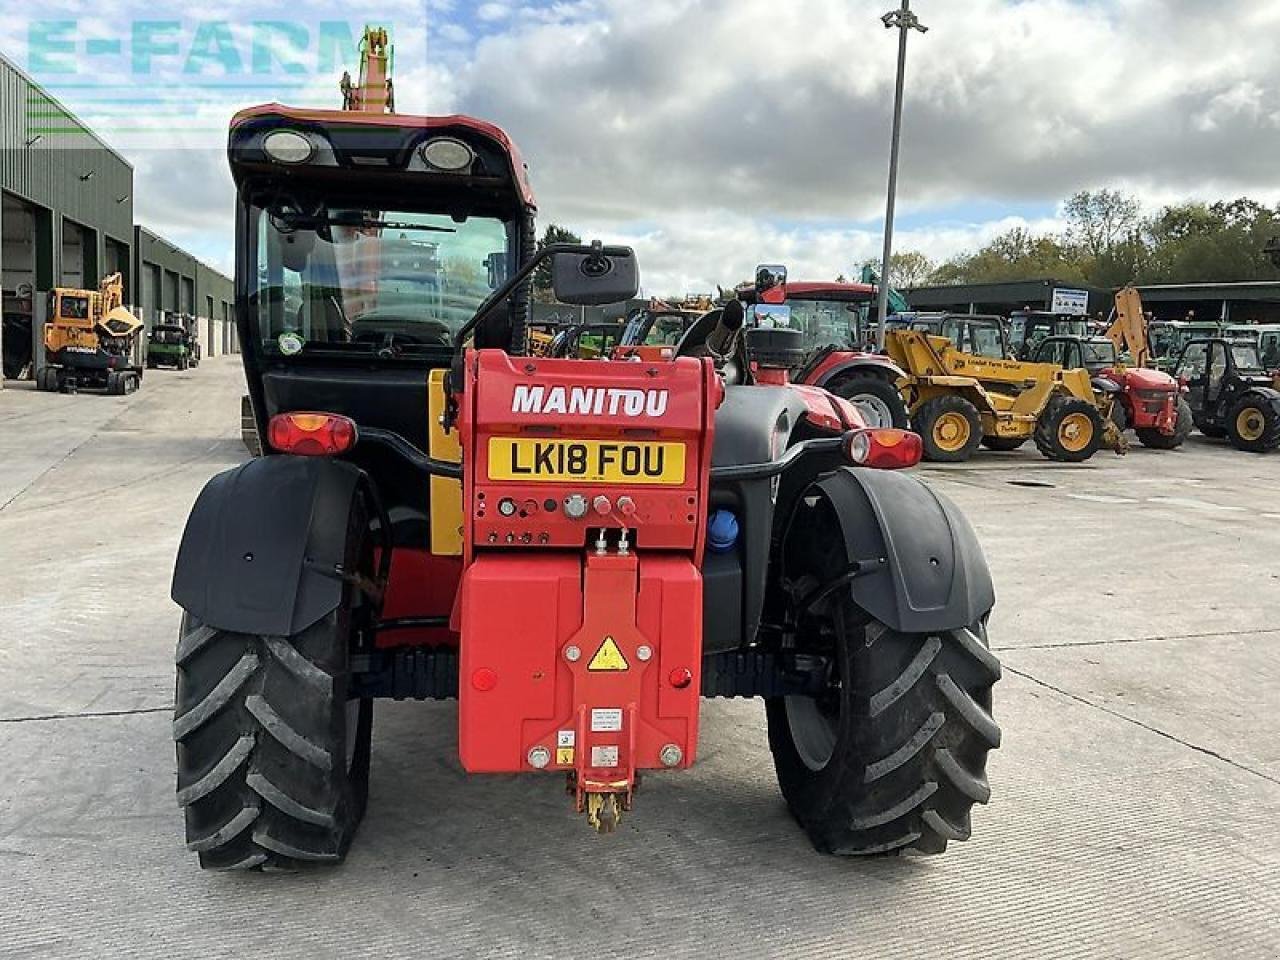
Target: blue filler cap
722	531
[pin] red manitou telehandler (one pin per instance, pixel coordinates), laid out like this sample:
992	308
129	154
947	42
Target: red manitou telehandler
578	551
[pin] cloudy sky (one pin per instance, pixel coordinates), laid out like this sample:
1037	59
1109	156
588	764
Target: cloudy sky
712	134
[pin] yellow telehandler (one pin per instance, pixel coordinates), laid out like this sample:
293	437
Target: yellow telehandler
958	400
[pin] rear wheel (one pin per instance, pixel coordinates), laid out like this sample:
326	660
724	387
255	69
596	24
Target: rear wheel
892	755
273	755
1253	424
1069	430
1210	429
1153	438
878	400
1003	443
950	427
273	759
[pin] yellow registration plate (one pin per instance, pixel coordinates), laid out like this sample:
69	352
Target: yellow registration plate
596	461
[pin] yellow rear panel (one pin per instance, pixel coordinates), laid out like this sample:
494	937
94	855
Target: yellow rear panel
446	494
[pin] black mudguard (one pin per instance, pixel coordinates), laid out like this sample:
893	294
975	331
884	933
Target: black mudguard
927	570
1266	393
264	545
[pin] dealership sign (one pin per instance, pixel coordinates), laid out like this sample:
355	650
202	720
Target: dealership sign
1070	301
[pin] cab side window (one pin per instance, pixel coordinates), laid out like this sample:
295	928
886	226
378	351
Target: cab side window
1194	362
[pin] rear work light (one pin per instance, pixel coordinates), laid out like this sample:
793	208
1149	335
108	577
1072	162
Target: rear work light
311	434
288	146
884	448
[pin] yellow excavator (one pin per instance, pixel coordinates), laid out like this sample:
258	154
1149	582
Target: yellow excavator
90	340
959	400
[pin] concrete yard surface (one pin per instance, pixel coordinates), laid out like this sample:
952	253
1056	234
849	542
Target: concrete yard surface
1134	799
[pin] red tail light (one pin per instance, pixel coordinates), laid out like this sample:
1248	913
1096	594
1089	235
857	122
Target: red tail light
311	434
884	448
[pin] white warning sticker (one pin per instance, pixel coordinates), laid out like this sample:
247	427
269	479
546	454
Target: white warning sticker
604	756
606	720
564	738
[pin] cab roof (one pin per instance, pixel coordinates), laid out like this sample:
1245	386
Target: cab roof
354	119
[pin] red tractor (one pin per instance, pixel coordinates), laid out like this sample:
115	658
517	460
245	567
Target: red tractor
575	550
837	339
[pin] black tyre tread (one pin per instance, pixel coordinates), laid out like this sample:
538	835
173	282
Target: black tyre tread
1210	429
1153	438
906	773
1003	444
1270	438
931	410
1046	432
879	387
285	735
258	737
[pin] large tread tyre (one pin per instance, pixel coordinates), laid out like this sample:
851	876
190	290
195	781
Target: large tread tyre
249	428
273	766
1069	430
1254	424
950	427
1210	429
1153	438
1003	444
1120	415
905	733
877	399
273	757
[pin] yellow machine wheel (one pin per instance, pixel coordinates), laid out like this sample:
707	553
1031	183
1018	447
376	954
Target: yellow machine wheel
1075	432
950	427
1069	430
951	432
1250	424
1254	424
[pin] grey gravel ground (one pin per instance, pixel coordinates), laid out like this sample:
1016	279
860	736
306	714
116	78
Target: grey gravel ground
1135	797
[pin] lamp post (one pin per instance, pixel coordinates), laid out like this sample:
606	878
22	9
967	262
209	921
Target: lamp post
904	21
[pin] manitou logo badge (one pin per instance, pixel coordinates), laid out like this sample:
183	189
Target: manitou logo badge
589	401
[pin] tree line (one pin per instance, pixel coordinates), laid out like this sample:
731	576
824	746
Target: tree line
1107	243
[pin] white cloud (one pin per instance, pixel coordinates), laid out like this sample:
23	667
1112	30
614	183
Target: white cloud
490	12
715	133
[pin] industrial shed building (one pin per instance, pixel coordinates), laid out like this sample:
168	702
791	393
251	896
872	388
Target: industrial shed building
66	220
1001	298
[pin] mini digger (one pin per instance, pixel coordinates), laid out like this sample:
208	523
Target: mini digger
89	341
578	551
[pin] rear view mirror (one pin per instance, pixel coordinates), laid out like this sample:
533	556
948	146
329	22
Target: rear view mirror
769	275
497	265
771	316
607	275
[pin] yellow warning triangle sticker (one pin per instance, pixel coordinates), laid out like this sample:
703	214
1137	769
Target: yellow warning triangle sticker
608	657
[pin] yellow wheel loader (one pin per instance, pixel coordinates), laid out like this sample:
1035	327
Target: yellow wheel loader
959	400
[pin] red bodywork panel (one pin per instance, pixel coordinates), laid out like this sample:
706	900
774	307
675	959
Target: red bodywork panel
1150	397
603	724
421	585
588	653
839	360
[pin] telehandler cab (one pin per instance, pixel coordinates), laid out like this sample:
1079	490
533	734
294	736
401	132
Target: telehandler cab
1230	392
576	550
